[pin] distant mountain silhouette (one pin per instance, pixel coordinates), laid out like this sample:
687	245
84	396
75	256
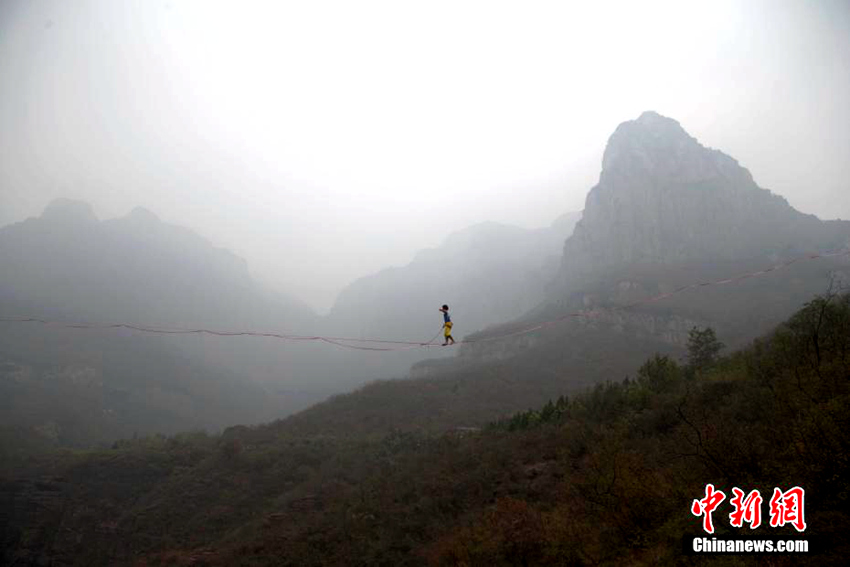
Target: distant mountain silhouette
87	386
487	273
667	212
408	469
418	452
134	268
67	265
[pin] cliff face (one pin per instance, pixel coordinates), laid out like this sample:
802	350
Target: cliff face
668	212
664	198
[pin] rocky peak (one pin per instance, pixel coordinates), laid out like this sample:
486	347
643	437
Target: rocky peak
142	216
69	211
658	147
650	136
662	197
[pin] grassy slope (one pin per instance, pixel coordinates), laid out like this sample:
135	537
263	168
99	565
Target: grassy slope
606	480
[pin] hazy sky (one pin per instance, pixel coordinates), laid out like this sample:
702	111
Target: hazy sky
325	140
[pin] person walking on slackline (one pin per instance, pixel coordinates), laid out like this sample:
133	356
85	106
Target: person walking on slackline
447	325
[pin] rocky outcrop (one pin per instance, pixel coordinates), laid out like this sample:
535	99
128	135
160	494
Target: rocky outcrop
668	212
664	198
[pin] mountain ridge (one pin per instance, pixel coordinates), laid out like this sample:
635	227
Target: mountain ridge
663	197
668	212
68	265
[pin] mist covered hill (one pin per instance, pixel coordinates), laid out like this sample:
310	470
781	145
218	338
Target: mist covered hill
642	234
488	273
654	176
135	268
631	245
669	212
663	198
75	387
439	468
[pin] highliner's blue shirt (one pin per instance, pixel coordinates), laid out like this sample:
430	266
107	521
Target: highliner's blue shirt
446	318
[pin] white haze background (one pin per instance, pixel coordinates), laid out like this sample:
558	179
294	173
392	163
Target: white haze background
325	140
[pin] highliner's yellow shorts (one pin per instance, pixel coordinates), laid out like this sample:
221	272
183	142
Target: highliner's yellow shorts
448	329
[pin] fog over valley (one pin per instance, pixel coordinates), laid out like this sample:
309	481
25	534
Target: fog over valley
456	283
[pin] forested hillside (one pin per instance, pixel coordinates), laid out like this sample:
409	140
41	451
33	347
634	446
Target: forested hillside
388	284
603	477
